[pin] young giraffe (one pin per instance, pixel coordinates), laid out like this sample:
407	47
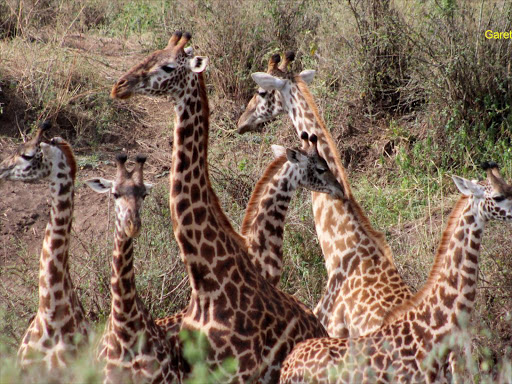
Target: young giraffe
242	315
363	282
59	328
396	352
263	223
134	347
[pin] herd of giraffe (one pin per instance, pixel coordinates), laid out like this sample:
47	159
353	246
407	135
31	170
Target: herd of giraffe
367	327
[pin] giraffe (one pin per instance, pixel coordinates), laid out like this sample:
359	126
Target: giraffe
59	328
363	282
242	315
263	223
134	347
396	352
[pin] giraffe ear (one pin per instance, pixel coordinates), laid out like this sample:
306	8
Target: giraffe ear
268	82
294	156
278	150
307	75
198	63
99	184
468	187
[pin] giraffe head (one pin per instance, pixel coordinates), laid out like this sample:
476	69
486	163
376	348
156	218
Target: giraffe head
491	198
129	191
266	105
27	163
166	71
286	87
310	169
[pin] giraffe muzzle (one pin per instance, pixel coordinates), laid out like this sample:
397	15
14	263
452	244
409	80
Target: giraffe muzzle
4	173
121	90
132	229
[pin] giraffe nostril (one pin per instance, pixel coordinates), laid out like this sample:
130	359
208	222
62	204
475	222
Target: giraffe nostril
121	83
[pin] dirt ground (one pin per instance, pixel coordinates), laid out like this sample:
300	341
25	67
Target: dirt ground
24	208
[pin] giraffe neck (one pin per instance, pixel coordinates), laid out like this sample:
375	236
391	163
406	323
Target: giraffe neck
202	230
306	117
122	280
55	285
263	224
341	224
451	287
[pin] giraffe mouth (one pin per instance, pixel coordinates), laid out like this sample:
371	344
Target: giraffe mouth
132	230
250	127
243	129
120	92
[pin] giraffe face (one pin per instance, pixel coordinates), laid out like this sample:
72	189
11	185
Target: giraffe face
493	198
264	106
286	87
164	72
313	173
129	192
28	163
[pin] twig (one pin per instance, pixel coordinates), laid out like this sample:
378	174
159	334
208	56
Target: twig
181	283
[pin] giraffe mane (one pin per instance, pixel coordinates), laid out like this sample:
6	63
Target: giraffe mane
70	157
377	236
219	213
144	66
453	220
257	193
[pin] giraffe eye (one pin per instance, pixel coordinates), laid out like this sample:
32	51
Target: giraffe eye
321	170
498	198
262	93
116	195
27	157
167	68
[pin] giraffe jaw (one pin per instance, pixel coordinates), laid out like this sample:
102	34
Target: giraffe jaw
132	232
246	128
250	125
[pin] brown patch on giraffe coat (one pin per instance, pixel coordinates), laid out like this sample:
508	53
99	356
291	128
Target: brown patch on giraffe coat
56	244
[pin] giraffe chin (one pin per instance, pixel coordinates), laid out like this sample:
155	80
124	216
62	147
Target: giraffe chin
117	93
338	195
244	128
132	232
258	127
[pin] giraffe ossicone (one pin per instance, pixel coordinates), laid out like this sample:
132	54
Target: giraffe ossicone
397	351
